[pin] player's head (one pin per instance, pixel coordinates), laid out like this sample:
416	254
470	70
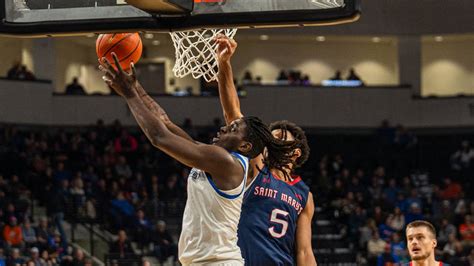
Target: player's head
288	131
421	240
249	136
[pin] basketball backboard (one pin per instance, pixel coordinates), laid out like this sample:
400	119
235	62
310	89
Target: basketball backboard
66	17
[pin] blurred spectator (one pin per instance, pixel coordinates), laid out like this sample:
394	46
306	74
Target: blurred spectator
43	233
467	231
337	76
283	76
452	190
122	247
398	249
396	221
29	234
12	233
122	168
414	213
75	88
462	158
445	231
20	72
386	258
126	143
15	258
248	78
35	257
375	248
13	71
453	248
352	75
163	242
141	229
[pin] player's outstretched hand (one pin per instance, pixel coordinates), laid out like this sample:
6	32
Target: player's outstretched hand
124	83
225	47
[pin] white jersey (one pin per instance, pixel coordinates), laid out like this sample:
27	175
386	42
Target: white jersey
211	217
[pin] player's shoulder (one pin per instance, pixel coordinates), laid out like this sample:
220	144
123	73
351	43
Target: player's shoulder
299	183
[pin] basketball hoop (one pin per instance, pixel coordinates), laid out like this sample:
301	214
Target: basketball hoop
196	52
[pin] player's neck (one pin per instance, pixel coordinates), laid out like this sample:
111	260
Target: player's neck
426	262
281	175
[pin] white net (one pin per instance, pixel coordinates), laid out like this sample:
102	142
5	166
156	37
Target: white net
196	52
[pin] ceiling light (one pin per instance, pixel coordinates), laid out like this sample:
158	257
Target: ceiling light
376	39
149	36
90	35
264	37
439	38
320	38
156	42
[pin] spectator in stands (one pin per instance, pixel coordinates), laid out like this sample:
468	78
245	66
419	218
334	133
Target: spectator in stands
43	234
122	168
3	259
467	231
61	173
391	191
337	76
305	81
375	248
12	234
29	234
353	75
386	258
122	248
189	128
126	143
25	74
445	231
15	258
452	249
463	157
14	70
141	227
414	214
35	257
452	190
248	78
75	88
396	220
163	242
398	249
282	77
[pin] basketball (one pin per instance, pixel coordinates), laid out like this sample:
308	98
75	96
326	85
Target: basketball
127	46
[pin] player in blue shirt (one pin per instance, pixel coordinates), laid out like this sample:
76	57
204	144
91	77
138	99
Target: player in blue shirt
421	242
275	224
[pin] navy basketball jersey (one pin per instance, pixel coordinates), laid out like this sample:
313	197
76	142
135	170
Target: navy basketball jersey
267	227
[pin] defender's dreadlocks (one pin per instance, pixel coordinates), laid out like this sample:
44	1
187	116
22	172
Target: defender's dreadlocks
300	139
279	153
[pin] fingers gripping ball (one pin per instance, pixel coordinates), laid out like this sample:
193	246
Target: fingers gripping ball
127	46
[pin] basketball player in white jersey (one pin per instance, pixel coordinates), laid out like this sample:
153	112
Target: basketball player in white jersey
218	177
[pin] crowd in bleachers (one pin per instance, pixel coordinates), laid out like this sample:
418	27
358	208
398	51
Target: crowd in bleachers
112	176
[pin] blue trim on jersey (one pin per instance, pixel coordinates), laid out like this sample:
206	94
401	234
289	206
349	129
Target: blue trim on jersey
244	164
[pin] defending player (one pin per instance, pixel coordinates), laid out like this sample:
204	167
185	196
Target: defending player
218	177
275	224
421	243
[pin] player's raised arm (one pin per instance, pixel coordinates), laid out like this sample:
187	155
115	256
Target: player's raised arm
304	250
209	158
161	113
227	92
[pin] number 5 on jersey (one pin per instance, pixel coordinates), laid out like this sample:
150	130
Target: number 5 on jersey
274	218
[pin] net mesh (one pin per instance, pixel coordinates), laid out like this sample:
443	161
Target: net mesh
196	52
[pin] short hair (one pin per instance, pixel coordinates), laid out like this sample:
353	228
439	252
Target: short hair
420	223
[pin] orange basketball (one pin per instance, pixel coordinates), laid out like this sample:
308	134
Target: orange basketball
127	46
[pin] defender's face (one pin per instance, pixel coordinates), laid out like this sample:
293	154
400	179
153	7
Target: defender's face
420	242
232	136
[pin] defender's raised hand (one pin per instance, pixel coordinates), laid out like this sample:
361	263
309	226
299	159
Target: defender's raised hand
225	47
124	83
